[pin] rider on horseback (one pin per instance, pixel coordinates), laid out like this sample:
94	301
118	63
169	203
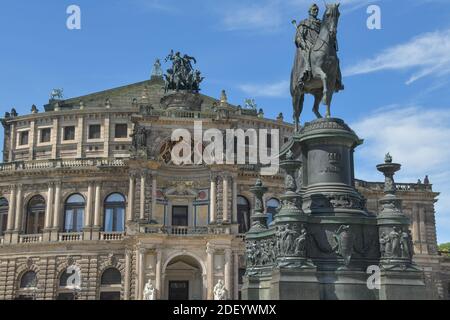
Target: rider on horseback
308	31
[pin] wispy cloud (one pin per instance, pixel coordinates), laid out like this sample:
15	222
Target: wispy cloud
425	55
258	16
419	139
158	5
278	89
271	15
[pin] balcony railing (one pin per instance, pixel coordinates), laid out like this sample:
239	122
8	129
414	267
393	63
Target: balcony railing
60	163
112	236
185	231
400	186
70	237
30	238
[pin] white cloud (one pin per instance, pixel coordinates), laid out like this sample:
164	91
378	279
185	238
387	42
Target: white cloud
257	16
419	139
426	54
271	15
278	89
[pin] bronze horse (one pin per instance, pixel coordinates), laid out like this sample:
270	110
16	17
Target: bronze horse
325	70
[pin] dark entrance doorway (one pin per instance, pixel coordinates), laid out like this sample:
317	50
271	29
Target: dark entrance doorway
180	216
178	290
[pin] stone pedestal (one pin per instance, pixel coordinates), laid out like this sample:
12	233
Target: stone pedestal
257	287
295	284
323	240
403	285
346	285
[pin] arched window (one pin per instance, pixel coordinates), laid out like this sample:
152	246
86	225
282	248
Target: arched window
74	213
65	290
111	276
28	280
272	209
114	213
111	283
243	207
35	215
3	215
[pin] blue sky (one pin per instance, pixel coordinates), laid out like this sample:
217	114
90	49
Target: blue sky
396	78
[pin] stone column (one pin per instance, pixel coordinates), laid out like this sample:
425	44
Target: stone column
236	276
48	213
225	200
416	233
213	199
11	209
154	196
19	209
49	208
140	275
106	136
142	203
57	207
228	273
210	271
235	217
158	282
136	286
88	214
97	212
98	203
423	230
32	140
54	138
127	280
79	134
131	191
12	146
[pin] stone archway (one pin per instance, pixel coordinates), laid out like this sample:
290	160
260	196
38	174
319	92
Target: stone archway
184	278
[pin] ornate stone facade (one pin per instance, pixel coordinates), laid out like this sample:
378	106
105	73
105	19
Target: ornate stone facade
139	217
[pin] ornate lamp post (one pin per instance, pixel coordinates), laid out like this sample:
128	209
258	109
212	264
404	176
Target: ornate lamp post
396	246
258	217
390	203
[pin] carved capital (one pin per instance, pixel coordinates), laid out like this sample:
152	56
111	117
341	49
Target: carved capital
210	249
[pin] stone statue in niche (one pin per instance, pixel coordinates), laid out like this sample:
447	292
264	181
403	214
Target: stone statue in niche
394	239
220	293
286	240
300	242
407	244
139	136
397	244
149	291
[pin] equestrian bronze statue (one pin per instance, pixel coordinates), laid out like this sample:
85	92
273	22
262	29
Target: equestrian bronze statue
316	68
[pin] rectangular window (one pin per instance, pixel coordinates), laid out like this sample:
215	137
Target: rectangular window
23	138
269	141
46	135
180	216
121	131
69	133
94	131
3	222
